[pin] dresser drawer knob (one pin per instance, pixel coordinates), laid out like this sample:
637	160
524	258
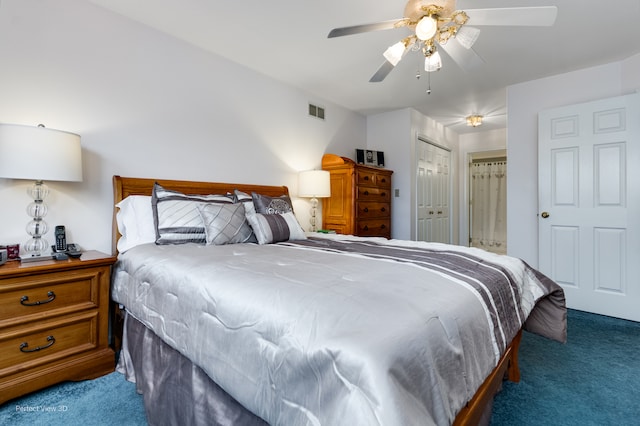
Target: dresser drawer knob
25	345
24	300
383	194
383	209
366	210
383	226
366	178
366	228
366	192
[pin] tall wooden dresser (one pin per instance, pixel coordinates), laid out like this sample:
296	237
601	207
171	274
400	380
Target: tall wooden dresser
360	201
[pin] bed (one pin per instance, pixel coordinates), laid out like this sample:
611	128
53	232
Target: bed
314	329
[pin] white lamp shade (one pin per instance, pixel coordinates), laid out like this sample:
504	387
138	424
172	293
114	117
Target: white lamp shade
38	153
314	184
467	36
433	62
394	53
426	28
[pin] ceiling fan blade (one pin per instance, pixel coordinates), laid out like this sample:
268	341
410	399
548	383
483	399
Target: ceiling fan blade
542	16
365	28
382	72
467	59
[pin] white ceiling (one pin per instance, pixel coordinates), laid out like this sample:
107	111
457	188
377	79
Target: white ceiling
287	40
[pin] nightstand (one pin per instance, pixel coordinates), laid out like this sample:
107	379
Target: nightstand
54	322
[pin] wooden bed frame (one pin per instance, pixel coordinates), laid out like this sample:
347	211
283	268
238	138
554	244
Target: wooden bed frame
473	413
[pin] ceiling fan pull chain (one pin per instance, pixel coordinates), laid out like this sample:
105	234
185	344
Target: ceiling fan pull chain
429	83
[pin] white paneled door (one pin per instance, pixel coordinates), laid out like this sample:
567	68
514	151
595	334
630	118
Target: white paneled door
589	201
433	192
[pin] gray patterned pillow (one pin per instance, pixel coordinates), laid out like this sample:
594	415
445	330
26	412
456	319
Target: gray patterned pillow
176	216
273	228
272	205
225	224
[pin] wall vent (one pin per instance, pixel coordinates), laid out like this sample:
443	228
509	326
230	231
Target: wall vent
316	111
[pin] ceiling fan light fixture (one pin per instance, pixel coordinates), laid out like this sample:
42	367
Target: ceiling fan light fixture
433	62
426	28
474	120
467	36
394	53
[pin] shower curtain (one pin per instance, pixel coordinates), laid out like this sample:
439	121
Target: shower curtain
489	205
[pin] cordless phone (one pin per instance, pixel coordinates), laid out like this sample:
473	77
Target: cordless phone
61	238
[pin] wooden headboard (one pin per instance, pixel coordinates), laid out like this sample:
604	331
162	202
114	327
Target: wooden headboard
125	186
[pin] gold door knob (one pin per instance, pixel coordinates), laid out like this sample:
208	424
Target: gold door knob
544	215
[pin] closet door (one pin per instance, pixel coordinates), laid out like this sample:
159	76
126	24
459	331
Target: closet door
433	192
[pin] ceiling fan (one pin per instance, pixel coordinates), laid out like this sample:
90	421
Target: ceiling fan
437	23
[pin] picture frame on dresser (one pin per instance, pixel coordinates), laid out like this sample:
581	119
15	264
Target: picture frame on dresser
370	158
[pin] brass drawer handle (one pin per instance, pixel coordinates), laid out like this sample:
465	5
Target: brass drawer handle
439	211
24	345
51	295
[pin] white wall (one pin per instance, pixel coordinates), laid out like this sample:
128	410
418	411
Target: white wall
147	105
396	134
524	101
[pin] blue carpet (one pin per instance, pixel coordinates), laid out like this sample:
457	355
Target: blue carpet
593	379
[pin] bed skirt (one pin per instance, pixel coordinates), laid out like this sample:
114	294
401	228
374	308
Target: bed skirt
175	391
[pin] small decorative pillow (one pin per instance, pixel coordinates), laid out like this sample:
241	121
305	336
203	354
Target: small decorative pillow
272	205
246	199
176	216
225	224
273	228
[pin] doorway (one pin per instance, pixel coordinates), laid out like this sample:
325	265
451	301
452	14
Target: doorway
488	201
589	217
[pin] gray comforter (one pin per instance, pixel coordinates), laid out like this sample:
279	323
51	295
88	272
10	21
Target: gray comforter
339	330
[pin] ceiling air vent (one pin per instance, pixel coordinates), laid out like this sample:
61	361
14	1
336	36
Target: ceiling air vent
316	111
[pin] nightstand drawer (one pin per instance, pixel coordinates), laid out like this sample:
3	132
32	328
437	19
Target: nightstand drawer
24	300
27	347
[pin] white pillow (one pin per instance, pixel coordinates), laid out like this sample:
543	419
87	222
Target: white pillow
135	222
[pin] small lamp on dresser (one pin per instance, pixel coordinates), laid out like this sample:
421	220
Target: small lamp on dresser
38	153
314	184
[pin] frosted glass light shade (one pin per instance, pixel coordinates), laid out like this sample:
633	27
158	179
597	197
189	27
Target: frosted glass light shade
314	184
426	28
394	53
39	153
433	62
467	36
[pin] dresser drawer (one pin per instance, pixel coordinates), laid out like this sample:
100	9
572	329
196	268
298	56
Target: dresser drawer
374	228
373	194
372	178
23	348
47	295
372	210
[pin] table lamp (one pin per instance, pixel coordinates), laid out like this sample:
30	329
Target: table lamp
39	154
314	184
